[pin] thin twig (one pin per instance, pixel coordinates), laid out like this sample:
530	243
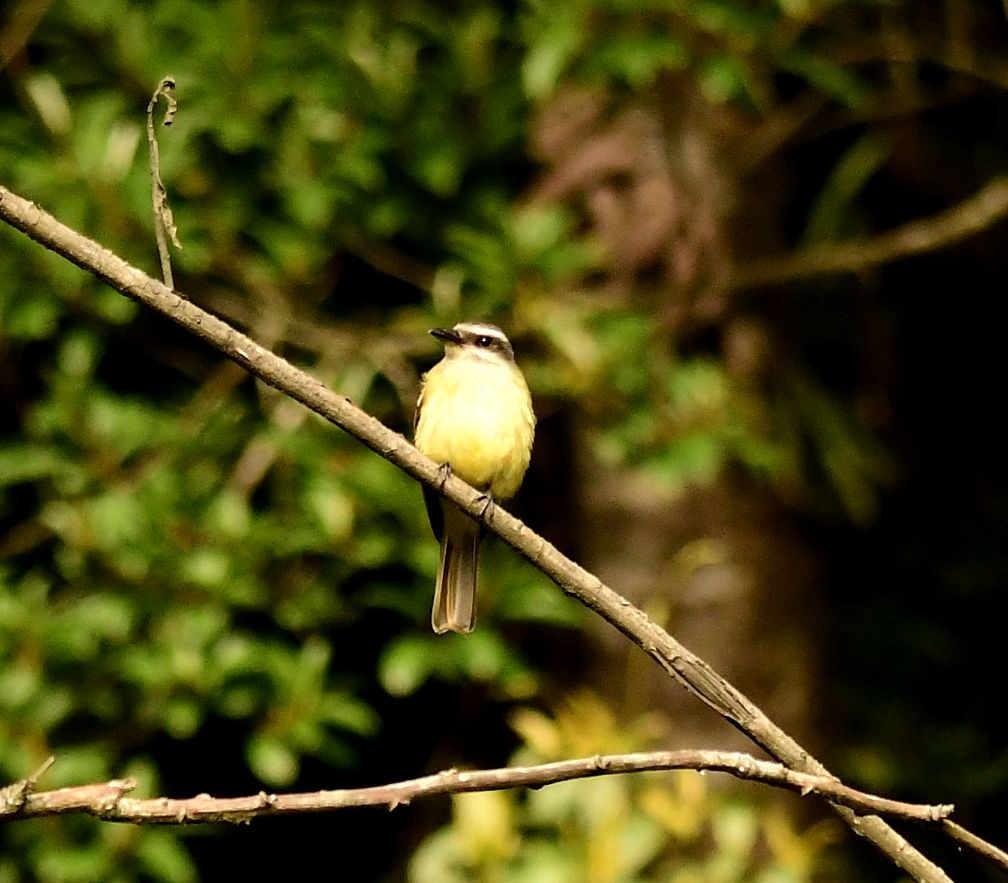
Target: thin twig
680	663
971	216
164	221
109	800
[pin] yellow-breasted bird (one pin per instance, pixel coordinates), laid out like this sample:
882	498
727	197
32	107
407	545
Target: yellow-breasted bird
474	415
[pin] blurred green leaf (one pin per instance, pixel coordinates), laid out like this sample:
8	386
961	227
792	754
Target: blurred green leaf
838	80
33	318
21	463
162	857
271	760
78	865
406	663
639	58
829	218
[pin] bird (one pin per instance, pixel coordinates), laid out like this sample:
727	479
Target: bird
474	416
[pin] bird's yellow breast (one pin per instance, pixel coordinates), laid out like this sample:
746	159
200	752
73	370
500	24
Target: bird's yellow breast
476	416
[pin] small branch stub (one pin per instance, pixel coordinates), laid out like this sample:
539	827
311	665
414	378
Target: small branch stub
15	795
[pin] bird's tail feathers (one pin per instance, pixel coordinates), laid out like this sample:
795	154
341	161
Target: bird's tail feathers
455	592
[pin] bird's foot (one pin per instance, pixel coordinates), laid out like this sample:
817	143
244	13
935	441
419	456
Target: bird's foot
444	472
487	502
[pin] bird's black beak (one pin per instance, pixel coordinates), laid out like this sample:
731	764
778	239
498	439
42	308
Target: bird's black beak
448	334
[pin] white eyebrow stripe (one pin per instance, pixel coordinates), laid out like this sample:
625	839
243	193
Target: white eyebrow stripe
486	330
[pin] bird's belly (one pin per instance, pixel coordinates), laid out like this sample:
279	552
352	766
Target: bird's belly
486	441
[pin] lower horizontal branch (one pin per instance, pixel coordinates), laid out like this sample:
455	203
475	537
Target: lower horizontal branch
109	801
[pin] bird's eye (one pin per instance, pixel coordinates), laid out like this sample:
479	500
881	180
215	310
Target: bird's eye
483	341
